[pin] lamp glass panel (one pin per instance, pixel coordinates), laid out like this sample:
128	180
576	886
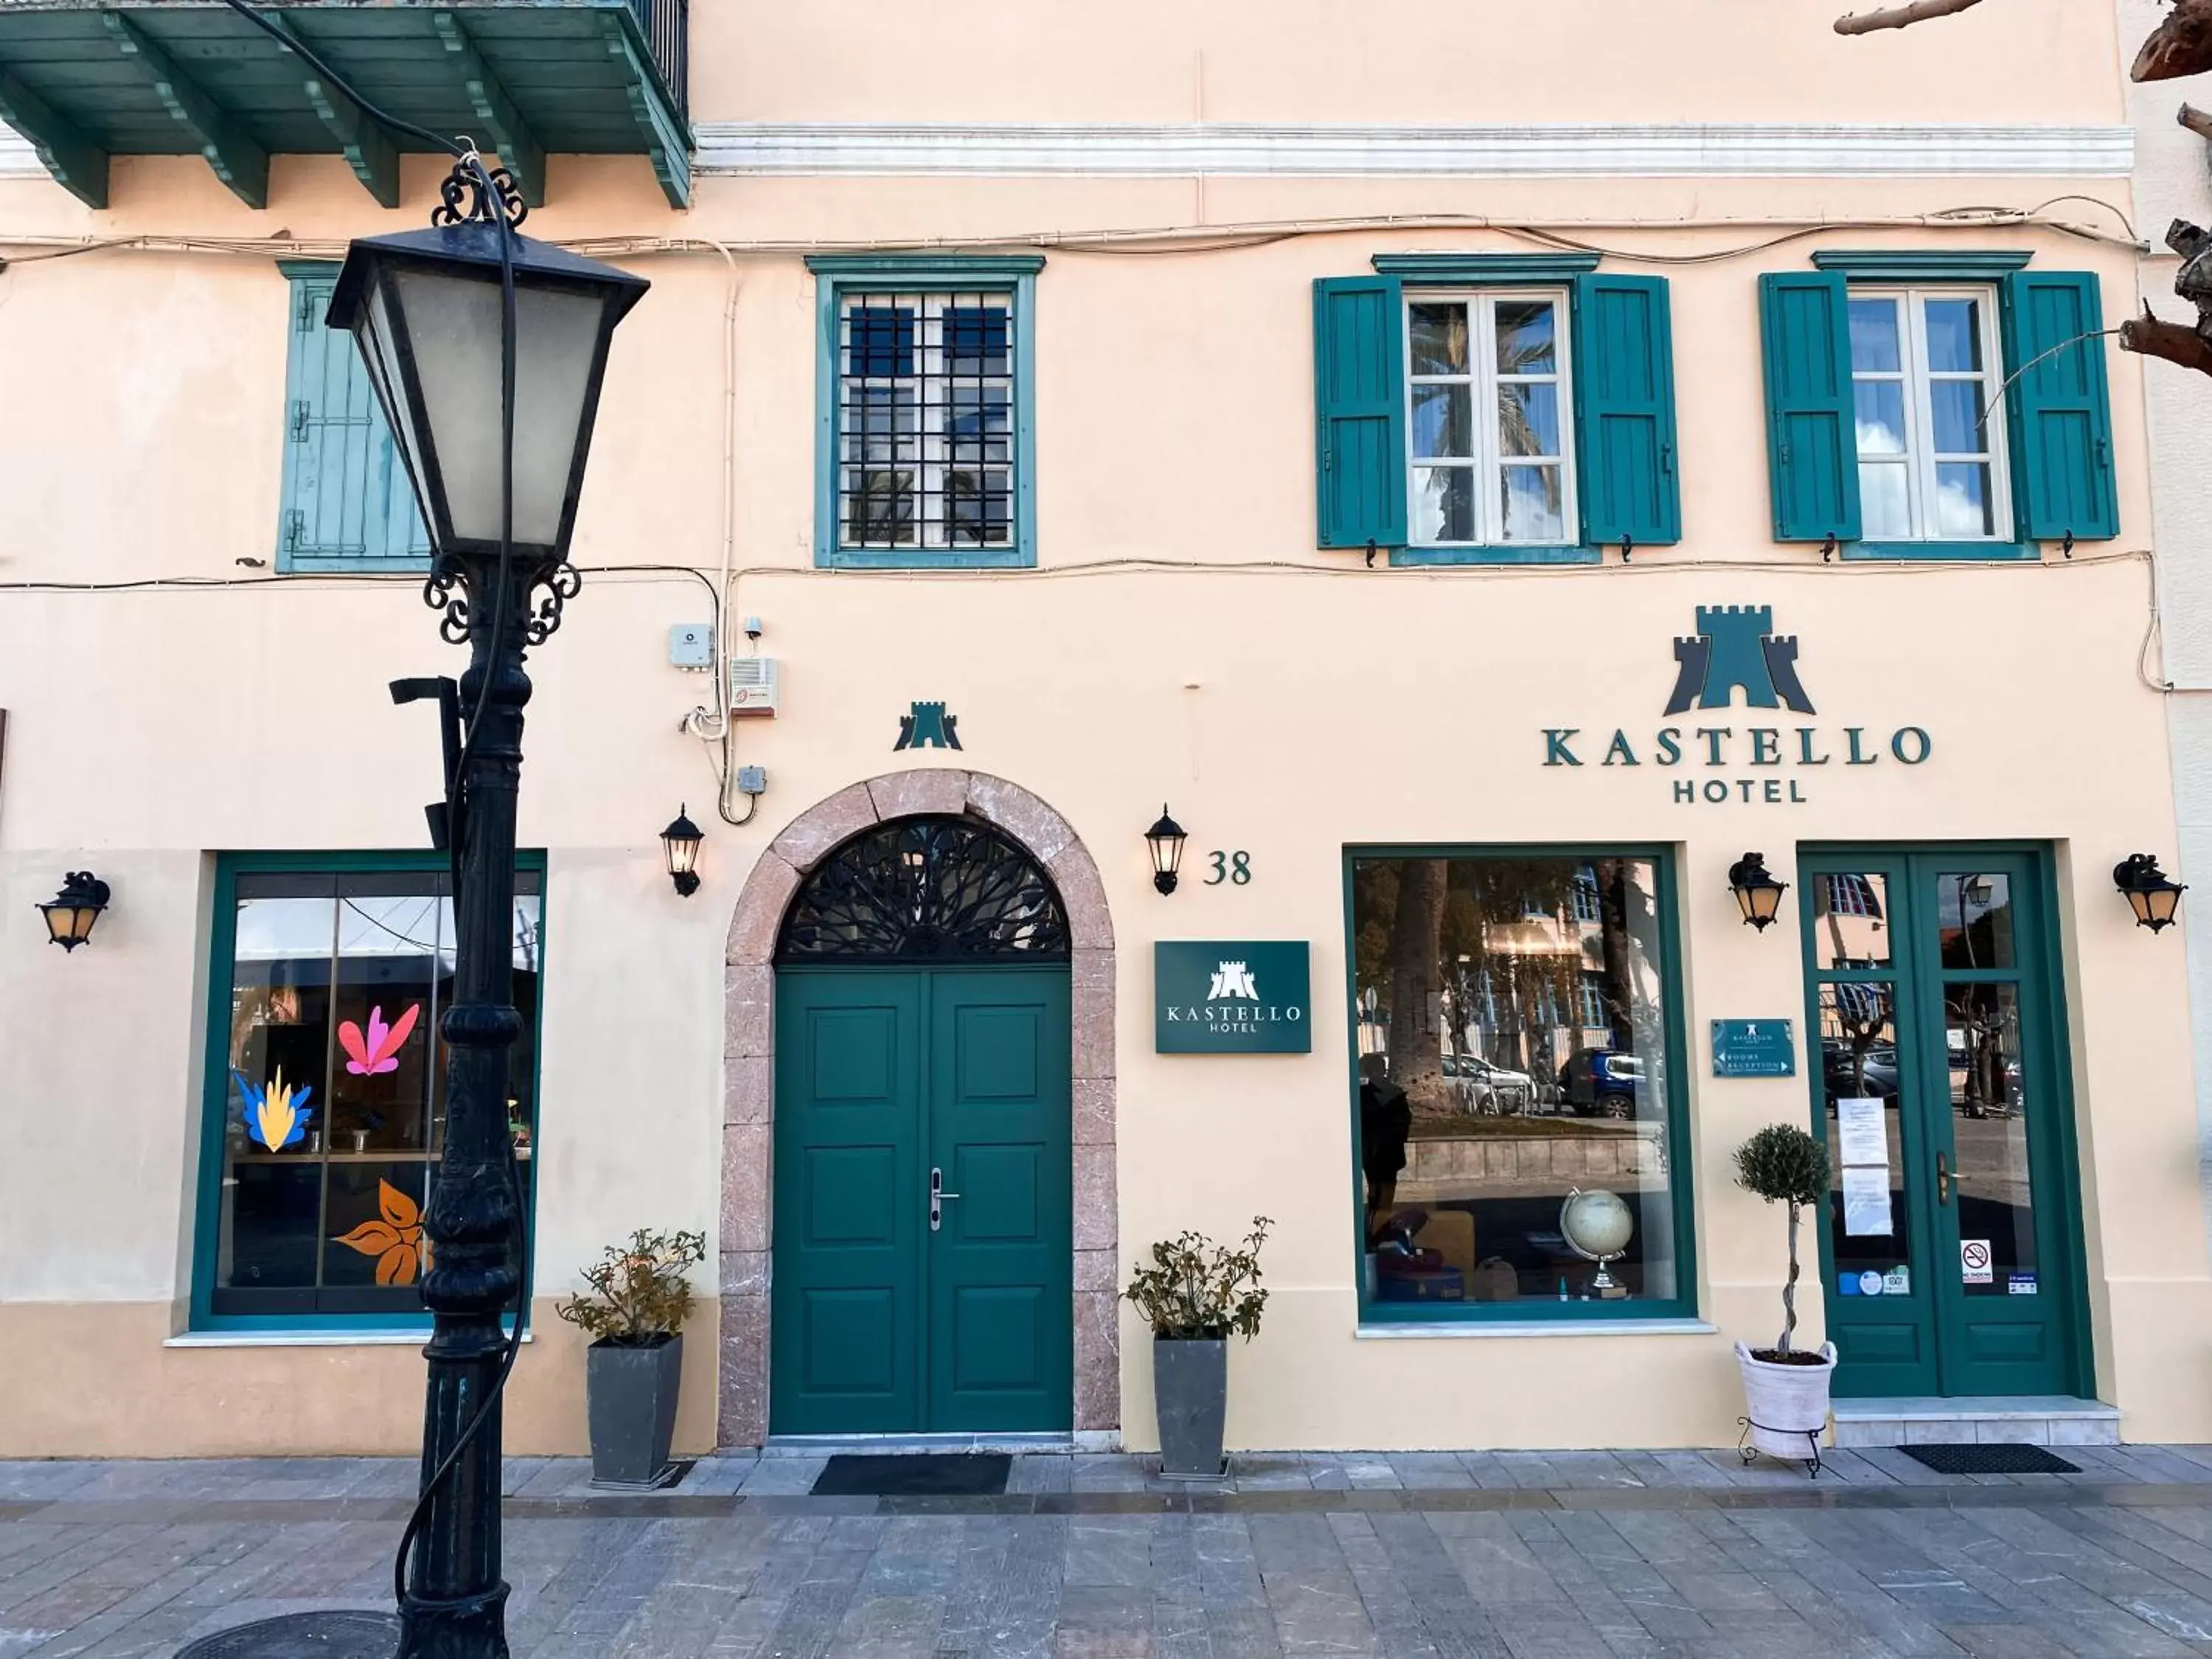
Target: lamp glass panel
453	323
82	918
376	333
1763	899
58	921
2161	903
2139	901
683	853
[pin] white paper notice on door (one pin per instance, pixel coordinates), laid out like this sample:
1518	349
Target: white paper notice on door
1861	1135
1866	1203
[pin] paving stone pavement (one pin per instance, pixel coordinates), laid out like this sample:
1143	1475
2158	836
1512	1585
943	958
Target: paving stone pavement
1433	1555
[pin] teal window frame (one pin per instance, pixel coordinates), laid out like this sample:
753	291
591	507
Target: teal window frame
1447	271
214	1092
838	275
1987	271
387	515
1681	1167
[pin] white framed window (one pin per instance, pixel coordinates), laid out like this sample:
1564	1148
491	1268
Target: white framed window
1490	415
926	414
1925	373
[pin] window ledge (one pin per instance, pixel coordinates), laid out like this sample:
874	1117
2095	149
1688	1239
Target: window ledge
307	1339
1991	551
1456	1329
1496	553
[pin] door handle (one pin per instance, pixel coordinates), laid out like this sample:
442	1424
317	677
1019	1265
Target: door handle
937	1197
1943	1180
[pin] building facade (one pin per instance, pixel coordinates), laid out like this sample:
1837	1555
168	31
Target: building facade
1481	507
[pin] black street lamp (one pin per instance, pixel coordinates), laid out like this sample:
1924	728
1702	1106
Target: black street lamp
1165	839
487	350
679	846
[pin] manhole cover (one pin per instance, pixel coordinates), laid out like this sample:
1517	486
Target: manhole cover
1991	1460
342	1635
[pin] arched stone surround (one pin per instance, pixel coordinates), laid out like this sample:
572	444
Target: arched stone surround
749	1083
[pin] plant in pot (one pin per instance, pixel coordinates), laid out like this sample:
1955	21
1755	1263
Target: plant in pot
1195	1294
1785	1387
640	1296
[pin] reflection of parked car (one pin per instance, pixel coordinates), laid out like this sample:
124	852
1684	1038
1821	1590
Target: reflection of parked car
1602	1082
1509	1091
1851	1076
1486	1090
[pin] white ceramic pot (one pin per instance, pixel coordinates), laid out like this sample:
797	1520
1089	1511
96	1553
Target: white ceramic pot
1786	1403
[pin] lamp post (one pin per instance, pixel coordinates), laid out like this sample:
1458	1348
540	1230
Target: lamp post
487	350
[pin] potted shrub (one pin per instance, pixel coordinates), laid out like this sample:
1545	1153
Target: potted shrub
1785	1387
634	1314
1195	1294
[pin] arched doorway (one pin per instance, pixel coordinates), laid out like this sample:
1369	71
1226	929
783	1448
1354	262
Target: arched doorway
923	1187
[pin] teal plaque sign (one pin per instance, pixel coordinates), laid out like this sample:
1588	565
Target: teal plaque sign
1232	997
1753	1048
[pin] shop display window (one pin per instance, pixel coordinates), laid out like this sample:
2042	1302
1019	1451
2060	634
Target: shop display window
325	1096
1518	1111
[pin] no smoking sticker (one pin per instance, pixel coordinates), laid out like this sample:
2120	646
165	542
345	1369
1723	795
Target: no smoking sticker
1974	1261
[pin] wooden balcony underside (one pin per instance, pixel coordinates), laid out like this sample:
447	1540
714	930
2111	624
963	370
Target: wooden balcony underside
84	80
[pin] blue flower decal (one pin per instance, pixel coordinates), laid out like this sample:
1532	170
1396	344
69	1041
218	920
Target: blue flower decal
276	1116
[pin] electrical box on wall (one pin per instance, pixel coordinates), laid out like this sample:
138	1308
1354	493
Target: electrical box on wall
753	685
691	645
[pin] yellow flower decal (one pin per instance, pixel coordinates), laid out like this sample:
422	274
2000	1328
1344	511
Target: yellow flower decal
397	1241
275	1116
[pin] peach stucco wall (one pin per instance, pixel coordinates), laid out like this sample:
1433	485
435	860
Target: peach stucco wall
1286	702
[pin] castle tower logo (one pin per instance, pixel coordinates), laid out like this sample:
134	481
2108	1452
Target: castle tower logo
1232	979
1736	648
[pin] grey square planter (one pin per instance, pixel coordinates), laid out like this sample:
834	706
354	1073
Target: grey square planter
629	1396
1190	1392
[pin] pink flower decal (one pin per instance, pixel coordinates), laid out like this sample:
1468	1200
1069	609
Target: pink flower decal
378	1052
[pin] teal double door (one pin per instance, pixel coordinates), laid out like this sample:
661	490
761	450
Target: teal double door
1952	1248
923	1197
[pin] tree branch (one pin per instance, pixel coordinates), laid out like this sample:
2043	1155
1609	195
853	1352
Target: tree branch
1898	17
2154	337
2195	119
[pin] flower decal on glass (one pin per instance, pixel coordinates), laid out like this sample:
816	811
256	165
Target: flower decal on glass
396	1241
275	1116
376	1052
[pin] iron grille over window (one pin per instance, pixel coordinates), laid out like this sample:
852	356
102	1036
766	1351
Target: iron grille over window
926	406
926	890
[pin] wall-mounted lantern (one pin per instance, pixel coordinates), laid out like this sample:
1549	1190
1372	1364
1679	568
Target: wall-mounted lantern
2152	896
679	843
71	912
1757	892
1165	839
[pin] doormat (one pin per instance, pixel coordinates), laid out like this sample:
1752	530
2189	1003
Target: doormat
916	1474
1991	1460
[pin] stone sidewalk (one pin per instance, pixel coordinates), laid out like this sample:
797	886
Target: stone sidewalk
1503	1555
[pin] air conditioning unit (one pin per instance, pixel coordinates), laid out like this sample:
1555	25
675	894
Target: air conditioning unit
753	685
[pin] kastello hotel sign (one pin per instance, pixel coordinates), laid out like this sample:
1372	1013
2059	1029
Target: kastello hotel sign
1734	649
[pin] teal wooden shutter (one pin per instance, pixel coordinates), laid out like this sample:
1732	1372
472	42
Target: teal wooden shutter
1812	438
2060	411
347	502
1360	410
1625	409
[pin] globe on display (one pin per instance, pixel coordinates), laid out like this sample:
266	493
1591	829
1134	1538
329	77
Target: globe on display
1597	1224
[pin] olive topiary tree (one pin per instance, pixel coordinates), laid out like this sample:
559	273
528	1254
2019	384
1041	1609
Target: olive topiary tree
1783	1165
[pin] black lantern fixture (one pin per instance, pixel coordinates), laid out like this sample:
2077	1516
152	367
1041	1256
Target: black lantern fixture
425	306
2149	893
1165	838
679	842
71	912
1757	892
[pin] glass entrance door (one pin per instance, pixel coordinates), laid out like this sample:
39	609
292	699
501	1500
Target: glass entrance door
1951	1250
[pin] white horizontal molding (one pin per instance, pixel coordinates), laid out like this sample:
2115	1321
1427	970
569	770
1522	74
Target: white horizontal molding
1762	150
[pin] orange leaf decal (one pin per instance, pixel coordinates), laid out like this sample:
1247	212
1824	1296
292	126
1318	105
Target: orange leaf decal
397	1241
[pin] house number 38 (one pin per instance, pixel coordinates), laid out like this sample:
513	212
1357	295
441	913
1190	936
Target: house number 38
1235	867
